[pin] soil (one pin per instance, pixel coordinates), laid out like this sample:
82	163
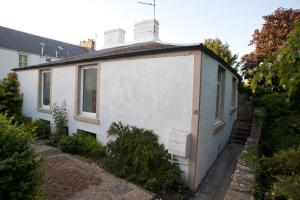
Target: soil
70	177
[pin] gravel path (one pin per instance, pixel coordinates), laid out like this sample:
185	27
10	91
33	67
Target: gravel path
67	177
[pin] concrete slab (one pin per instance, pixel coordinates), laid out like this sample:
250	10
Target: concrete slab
217	181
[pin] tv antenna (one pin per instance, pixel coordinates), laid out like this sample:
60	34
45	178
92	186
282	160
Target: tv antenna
150	4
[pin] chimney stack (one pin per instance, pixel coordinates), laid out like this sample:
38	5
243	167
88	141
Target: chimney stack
89	44
114	37
146	30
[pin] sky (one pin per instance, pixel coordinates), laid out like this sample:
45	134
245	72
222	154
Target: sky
181	21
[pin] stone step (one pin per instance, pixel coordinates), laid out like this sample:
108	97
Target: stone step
237	141
241	134
241	137
241	126
242	131
243	123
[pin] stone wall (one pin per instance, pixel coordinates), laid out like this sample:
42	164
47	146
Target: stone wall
243	177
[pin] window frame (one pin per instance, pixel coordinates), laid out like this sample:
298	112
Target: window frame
19	61
233	93
219	120
219	113
41	107
80	115
85	113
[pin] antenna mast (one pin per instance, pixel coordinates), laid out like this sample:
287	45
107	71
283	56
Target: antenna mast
154	8
150	4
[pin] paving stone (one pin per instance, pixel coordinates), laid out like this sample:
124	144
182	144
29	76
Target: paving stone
216	183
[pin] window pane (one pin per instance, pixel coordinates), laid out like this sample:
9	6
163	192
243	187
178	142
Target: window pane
46	88
89	90
23	60
218	102
233	93
219	74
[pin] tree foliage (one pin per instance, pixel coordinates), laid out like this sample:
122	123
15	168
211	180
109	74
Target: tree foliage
269	39
11	99
19	164
222	49
285	66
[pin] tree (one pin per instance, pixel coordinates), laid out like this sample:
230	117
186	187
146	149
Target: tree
268	40
222	50
11	99
285	65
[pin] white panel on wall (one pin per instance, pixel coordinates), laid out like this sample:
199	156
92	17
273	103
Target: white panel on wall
179	143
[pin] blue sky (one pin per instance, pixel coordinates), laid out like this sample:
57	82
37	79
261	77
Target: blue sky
181	21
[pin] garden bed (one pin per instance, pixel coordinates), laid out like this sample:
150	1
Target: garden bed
69	177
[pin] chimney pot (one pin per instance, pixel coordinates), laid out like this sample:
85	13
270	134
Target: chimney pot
114	37
146	30
89	44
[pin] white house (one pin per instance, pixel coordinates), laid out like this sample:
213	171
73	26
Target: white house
19	49
185	93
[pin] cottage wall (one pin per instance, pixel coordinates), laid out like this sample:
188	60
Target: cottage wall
210	144
153	93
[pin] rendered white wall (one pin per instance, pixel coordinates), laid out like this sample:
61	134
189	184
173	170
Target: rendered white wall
153	93
9	59
210	145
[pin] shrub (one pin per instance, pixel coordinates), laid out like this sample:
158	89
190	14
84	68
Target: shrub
276	105
283	133
60	116
43	128
19	174
285	162
81	144
10	98
137	156
282	168
286	187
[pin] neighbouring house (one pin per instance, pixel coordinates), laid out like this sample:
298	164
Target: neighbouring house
185	93
19	49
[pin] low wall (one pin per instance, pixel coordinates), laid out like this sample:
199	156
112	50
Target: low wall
243	177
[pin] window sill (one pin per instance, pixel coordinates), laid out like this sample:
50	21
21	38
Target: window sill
44	110
218	126
87	119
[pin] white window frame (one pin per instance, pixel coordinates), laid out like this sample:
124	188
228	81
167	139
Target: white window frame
47	107
23	54
234	92
221	84
83	113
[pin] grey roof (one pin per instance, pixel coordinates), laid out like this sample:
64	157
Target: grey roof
20	41
130	50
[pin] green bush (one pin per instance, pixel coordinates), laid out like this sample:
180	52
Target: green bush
60	116
285	187
285	162
283	133
282	168
19	164
43	128
81	144
137	156
10	98
276	105
278	155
